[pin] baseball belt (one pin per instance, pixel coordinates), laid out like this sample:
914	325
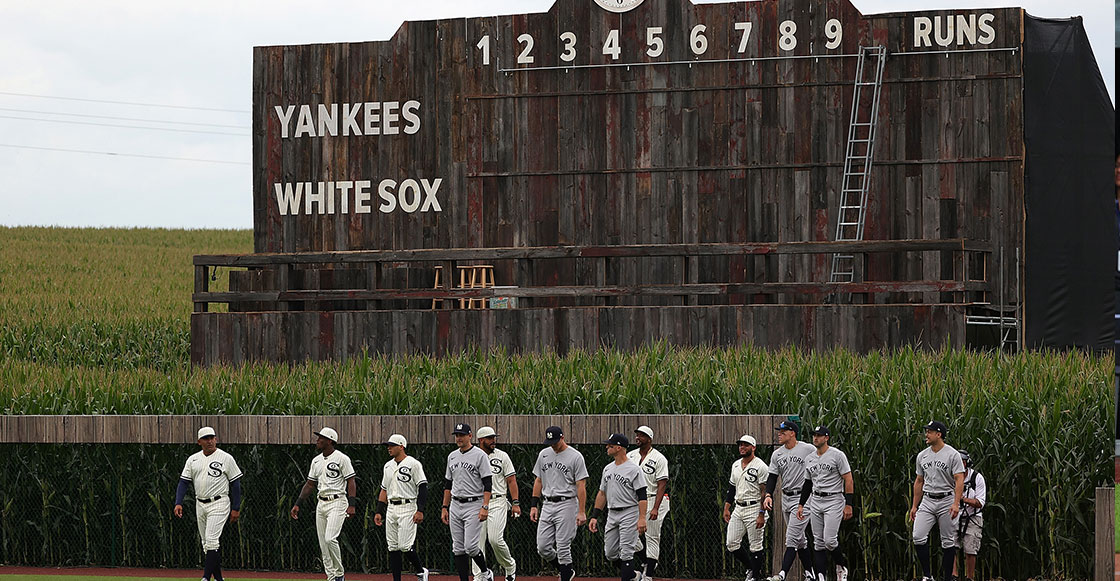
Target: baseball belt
750	503
824	494
209	500
938	496
558	498
330	497
401	501
465	499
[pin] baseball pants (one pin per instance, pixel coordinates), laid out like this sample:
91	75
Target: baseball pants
653	528
932	511
973	531
620	536
466	529
743	522
400	531
825	515
796	529
556	528
329	516
495	533
211	518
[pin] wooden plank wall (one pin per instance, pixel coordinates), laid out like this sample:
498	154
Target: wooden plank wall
690	430
1104	549
237	338
715	152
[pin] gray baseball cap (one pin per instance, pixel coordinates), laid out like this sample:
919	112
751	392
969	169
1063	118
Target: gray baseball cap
486	432
206	432
329	434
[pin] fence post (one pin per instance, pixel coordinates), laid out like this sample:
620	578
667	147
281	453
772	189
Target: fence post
1104	542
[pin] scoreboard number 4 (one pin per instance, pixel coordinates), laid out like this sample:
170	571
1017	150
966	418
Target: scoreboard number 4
655	41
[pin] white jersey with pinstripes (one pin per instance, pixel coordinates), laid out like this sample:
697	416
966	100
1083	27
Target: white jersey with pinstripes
330	473
655	467
210	475
402	480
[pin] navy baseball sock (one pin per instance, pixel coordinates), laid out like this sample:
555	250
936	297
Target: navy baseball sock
218	565
480	560
743	555
463	566
787	558
838	557
567	572
626	570
395	563
758	562
208	564
806	555
820	560
414	558
651	566
947	557
923	559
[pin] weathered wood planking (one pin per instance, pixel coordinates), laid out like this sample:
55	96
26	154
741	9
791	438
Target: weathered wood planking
1104	526
678	429
710	152
238	338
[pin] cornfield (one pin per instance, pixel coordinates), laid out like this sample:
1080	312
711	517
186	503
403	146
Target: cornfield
95	322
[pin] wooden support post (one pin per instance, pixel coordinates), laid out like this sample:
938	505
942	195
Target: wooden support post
1104	542
201	285
283	273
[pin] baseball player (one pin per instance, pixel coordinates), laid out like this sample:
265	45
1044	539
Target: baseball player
400	506
747	488
217	496
937	498
974	497
466	502
788	464
333	474
828	480
622	491
655	468
503	495
559	500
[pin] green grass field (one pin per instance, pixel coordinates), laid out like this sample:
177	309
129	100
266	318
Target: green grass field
96	578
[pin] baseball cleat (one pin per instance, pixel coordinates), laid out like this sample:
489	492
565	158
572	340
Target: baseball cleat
750	576
422	575
841	573
511	576
489	576
778	577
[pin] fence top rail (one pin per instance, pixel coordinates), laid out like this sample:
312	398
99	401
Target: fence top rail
636	250
668	429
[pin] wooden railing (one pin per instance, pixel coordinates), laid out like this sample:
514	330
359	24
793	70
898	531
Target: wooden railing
969	266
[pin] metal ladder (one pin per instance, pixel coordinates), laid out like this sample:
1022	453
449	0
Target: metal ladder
857	160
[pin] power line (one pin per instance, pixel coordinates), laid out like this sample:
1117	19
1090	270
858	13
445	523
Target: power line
64	122
115	154
134	104
123	118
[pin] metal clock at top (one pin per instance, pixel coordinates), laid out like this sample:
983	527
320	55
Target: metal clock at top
619	5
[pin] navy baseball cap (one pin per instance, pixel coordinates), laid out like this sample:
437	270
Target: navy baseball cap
937	426
618	440
461	429
787	425
821	430
553	435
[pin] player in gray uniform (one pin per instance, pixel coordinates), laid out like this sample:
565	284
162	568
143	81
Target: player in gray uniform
655	467
332	474
466	502
828	480
622	491
560	485
937	498
788	463
217	490
400	506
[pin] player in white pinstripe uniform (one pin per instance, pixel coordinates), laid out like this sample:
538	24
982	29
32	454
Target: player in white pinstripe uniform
333	474
217	490
504	494
655	468
400	506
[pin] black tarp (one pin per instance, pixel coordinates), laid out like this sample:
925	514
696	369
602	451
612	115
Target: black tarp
1071	231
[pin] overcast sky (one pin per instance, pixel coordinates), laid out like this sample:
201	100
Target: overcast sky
96	56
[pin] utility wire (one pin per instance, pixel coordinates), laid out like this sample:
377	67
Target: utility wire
115	154
123	118
65	122
134	104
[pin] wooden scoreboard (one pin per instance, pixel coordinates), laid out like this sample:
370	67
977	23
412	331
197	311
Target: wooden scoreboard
631	171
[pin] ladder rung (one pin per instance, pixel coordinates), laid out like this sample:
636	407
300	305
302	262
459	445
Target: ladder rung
862	124
849	223
860	140
866	84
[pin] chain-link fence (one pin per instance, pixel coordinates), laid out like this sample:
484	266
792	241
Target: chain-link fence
111	505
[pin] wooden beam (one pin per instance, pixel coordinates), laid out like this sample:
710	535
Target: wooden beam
1104	539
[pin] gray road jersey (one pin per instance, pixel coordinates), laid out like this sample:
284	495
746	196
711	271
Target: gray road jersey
620	484
790	465
559	472
465	471
827	470
938	468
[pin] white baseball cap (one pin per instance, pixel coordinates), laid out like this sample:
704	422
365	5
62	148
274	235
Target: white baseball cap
645	430
397	440
206	431
328	434
486	432
746	440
